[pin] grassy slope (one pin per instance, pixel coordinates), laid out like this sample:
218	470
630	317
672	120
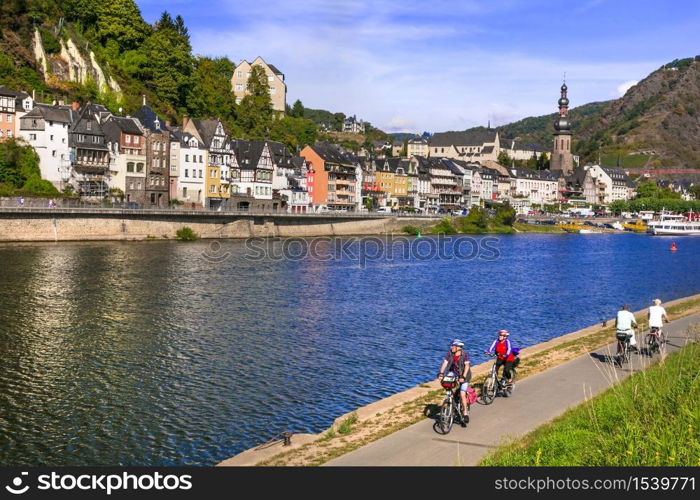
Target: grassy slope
652	418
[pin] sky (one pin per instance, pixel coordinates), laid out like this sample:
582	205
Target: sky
414	66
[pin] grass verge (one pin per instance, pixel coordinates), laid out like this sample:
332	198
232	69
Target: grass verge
651	418
537	228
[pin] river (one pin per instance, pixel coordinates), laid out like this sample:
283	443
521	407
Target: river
168	353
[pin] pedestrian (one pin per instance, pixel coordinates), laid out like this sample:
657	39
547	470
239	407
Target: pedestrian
21	201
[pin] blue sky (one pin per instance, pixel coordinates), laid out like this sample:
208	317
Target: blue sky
444	65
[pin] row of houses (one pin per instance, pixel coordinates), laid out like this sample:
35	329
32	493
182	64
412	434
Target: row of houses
144	160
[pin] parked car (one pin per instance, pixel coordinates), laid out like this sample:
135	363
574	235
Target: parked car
384	210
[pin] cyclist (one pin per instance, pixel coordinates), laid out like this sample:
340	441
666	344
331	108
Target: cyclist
457	361
504	354
625	323
657	317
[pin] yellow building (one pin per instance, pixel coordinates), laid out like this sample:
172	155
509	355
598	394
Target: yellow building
275	80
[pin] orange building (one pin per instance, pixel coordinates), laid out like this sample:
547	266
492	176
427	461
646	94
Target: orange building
7	113
332	179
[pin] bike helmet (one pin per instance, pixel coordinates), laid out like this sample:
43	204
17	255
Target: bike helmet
457	342
503	332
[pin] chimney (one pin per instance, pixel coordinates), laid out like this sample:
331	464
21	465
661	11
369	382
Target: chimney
143	96
185	121
75	106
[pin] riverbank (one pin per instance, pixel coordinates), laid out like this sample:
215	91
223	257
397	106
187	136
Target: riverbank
36	225
384	417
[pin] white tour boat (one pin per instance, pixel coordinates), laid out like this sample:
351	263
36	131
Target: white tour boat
674	225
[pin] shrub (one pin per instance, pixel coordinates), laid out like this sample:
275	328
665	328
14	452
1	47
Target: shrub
186	234
414	230
345	426
445	226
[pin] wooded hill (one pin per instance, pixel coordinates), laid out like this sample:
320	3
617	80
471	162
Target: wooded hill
655	124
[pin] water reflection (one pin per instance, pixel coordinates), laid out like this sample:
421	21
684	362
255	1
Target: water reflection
149	353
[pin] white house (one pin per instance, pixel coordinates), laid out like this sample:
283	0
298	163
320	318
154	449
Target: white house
45	128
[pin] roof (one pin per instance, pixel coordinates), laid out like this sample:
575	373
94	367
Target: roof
274	69
331	153
149	119
206	129
61	114
4	91
475	137
530	173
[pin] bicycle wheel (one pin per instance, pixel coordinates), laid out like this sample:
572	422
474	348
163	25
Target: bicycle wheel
488	390
447	416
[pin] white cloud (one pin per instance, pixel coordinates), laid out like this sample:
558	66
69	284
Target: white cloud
624	87
409	68
400	124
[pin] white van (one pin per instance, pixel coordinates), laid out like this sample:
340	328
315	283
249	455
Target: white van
384	210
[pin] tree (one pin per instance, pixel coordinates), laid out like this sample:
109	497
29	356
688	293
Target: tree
647	189
543	162
505	215
297	110
695	191
120	20
504	159
255	110
404	149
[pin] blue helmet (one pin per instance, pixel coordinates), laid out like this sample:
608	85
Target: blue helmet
457	342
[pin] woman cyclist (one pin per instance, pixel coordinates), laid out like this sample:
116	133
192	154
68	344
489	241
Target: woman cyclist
504	354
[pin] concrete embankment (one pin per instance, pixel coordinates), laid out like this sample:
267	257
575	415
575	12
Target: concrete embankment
115	224
388	412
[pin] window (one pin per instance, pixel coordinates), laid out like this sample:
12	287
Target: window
9	134
238	100
272	90
51	137
89	125
187	174
270	78
131	185
53	153
63	140
9	118
139	168
200	159
239	86
239	74
212	189
200	174
32	137
136	139
127	139
184	192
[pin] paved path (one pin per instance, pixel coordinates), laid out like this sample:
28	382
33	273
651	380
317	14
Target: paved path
536	400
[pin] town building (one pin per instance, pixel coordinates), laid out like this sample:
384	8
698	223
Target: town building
562	159
603	185
275	80
46	129
127	148
537	186
417	146
352	125
13	106
188	154
332	178
218	164
157	137
89	155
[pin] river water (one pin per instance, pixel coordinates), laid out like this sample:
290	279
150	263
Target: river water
167	353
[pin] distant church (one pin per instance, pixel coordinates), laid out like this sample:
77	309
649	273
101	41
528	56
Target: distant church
562	159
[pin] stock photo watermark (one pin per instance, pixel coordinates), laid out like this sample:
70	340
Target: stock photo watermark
362	250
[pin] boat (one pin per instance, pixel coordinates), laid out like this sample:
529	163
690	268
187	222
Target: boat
638	226
674	225
577	227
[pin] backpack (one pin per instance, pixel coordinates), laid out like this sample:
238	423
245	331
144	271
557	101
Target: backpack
516	352
471	395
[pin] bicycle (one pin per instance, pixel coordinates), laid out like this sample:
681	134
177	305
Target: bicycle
623	347
451	407
492	386
654	340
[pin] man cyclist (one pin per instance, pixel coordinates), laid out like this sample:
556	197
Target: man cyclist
504	354
457	362
657	317
625	323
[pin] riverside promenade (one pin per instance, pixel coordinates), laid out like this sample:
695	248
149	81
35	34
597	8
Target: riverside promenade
536	400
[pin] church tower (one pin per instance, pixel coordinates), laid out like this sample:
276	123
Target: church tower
562	159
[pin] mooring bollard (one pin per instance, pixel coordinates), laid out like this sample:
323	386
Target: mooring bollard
287	438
